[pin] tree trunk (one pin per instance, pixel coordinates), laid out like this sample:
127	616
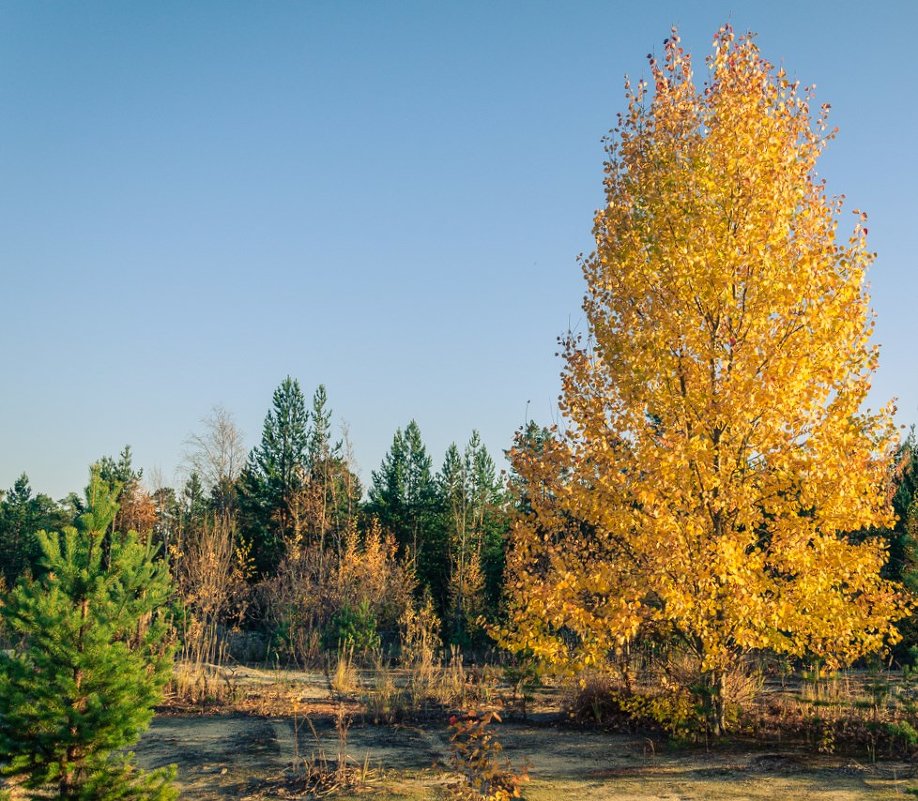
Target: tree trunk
720	704
65	786
714	690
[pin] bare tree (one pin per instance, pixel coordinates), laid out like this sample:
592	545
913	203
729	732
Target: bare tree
218	453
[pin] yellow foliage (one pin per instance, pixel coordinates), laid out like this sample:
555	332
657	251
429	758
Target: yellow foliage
477	757
716	450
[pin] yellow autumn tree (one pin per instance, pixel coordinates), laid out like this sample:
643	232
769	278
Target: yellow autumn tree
716	449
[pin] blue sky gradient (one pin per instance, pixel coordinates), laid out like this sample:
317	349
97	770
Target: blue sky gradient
388	198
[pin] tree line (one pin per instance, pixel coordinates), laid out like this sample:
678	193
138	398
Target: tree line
271	534
292	508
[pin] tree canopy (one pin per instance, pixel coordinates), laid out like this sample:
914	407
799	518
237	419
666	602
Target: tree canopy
716	449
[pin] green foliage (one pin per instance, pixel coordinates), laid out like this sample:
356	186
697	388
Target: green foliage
531	441
335	489
524	675
454	524
902	538
121	470
904	731
319	446
403	497
353	627
120	780
674	709
194	508
91	660
22	515
275	470
473	510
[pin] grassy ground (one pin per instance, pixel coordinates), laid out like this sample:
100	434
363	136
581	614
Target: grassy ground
256	757
271	730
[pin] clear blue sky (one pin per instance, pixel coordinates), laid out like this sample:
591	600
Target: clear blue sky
197	199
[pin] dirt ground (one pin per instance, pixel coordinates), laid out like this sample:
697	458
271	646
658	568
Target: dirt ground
245	756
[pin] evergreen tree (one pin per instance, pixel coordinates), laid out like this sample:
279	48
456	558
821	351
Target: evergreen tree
463	563
491	519
403	497
121	470
22	515
902	538
194	506
531	442
387	490
90	663
276	469
320	448
905	484
334	490
135	508
475	524
180	518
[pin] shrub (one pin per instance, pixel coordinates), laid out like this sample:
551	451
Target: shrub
476	756
353	627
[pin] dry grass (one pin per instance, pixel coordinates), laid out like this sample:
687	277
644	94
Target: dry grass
319	774
873	715
201	686
342	676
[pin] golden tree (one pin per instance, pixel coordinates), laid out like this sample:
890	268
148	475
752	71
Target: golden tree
716	451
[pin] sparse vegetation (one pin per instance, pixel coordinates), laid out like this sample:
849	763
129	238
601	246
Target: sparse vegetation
717	547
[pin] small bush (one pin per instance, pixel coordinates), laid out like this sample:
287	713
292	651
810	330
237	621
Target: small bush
596	701
353	627
523	676
476	756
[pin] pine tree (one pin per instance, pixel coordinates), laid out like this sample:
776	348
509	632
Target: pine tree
454	510
334	491
136	510
90	664
22	514
274	472
194	507
387	489
320	448
120	470
475	530
530	442
403	497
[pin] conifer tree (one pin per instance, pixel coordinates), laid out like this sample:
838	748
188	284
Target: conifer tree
22	514
90	663
333	488
475	529
403	497
320	447
274	472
